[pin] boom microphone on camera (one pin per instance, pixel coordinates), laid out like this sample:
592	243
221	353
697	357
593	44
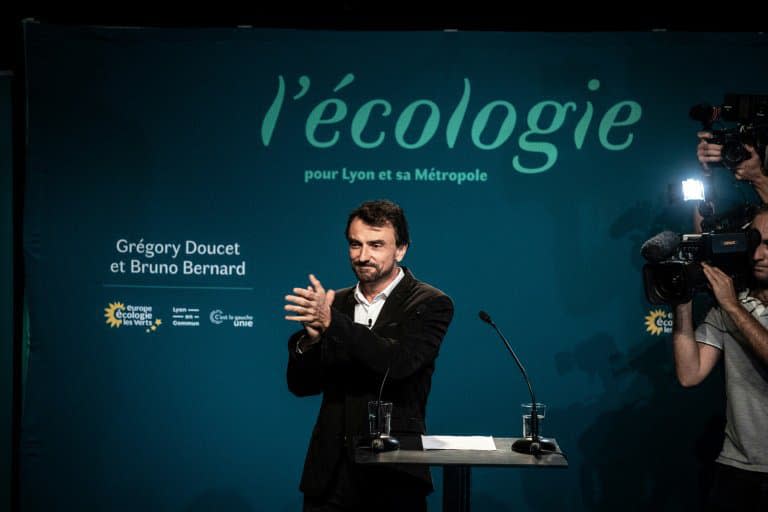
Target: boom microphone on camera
661	246
705	114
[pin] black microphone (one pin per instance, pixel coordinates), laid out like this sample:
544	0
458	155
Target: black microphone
535	445
705	114
661	246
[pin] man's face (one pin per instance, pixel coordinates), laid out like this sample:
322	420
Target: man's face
760	256
372	251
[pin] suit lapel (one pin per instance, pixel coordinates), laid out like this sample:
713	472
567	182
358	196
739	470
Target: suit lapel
392	310
347	306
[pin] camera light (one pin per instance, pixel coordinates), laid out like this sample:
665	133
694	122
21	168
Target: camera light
693	190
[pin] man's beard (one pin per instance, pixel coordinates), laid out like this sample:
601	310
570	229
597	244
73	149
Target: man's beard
377	273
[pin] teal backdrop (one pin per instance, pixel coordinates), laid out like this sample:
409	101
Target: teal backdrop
180	182
6	290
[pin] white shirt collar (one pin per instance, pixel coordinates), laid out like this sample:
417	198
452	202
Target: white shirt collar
756	306
383	294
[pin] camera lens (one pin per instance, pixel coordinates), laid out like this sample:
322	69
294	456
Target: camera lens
734	153
667	282
670	282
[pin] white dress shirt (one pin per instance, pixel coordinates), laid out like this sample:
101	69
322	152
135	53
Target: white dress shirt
366	312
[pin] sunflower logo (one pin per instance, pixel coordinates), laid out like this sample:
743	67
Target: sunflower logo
113	312
658	321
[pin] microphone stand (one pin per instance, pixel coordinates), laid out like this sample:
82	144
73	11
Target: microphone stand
535	444
376	441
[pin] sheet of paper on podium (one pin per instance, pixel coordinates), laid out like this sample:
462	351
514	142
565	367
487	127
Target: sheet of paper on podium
458	443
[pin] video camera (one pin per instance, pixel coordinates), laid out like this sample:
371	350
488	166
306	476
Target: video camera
674	274
749	112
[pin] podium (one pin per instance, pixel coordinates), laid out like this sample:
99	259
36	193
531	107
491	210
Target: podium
457	465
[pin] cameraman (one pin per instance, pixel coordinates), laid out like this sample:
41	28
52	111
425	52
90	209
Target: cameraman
750	170
736	328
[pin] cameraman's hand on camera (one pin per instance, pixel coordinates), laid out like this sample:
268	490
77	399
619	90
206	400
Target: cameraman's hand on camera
750	169
706	152
722	287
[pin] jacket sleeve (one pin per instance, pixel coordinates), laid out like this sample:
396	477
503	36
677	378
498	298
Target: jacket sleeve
305	373
404	346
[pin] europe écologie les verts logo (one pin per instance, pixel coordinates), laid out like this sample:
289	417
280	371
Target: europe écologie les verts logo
659	322
118	314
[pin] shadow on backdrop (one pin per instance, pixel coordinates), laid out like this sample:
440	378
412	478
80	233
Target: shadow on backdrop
644	443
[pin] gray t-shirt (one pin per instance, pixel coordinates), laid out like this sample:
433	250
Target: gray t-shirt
746	388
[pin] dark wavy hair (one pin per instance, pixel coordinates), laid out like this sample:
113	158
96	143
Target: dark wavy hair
379	213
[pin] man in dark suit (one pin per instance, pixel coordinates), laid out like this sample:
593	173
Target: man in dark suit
388	324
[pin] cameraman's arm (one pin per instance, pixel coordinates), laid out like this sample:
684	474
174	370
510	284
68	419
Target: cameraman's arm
707	154
753	331
751	170
697	218
693	361
762	189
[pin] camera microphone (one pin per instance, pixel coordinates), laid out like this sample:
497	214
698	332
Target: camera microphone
661	246
705	114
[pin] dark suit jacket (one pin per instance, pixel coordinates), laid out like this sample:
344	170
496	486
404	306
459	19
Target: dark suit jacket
347	368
